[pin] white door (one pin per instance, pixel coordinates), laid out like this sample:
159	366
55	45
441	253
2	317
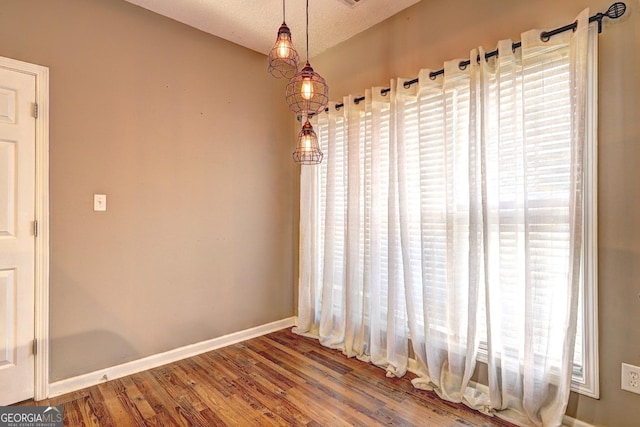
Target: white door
17	237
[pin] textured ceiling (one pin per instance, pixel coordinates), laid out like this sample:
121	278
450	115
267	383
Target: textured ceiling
254	23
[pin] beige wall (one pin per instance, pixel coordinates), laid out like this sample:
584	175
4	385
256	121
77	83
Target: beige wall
190	139
437	30
199	238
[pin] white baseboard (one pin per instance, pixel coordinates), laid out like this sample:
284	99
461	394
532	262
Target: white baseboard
572	422
87	380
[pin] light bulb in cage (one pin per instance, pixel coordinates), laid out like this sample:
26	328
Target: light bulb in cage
307	92
306	143
283	58
307	89
307	151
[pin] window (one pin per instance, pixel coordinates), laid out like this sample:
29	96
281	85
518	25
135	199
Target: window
452	213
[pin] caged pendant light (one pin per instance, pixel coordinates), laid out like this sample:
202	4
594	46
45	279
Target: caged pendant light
307	151
283	58
307	92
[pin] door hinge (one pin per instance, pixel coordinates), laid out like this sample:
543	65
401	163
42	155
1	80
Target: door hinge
35	347
35	110
35	228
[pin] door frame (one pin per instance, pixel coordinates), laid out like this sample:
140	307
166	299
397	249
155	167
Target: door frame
41	332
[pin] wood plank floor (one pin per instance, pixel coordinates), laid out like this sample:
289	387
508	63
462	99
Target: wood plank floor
280	379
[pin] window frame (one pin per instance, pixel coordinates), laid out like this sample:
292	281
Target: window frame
588	383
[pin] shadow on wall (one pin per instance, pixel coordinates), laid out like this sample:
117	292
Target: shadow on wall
100	348
96	337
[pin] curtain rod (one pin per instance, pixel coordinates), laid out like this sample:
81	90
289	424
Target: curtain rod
615	11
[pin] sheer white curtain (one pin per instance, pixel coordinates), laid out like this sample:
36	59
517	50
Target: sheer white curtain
449	214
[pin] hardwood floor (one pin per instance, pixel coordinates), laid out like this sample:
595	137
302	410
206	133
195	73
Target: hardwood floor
280	379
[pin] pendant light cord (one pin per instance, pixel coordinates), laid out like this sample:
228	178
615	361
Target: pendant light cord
307	31
283	11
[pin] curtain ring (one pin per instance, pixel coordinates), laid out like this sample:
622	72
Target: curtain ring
544	36
432	76
356	101
463	65
338	107
406	85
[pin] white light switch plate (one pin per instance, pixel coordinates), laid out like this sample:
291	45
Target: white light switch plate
100	202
